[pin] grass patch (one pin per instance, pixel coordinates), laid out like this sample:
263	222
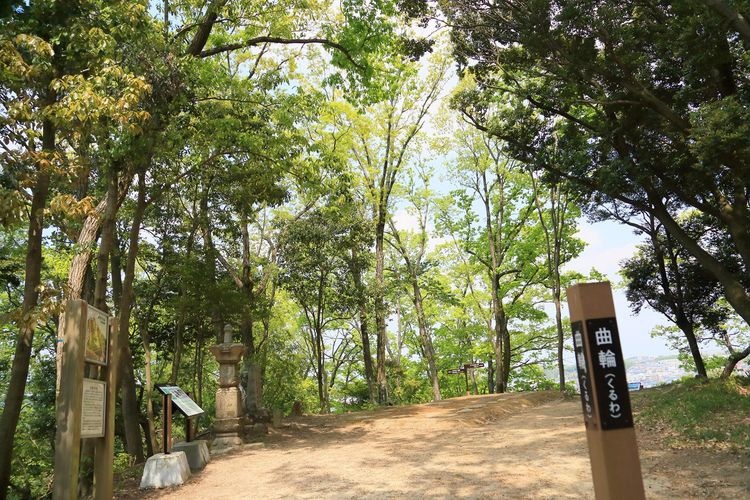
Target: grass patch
710	413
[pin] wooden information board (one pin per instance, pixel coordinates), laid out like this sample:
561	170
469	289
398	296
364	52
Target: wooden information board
97	336
93	408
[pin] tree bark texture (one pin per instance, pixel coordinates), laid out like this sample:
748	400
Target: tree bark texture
27	325
130	407
380	310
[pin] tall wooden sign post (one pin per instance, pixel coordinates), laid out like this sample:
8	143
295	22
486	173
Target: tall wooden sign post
85	408
613	451
465	370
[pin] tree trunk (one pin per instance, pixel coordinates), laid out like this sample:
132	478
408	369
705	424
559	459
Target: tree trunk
32	278
502	348
380	312
490	376
150	418
106	246
199	371
506	355
734	290
130	407
426	340
364	329
689	332
732	361
498	315
181	314
217	320
560	338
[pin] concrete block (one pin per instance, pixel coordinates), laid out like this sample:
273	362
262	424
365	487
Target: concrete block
196	452
163	470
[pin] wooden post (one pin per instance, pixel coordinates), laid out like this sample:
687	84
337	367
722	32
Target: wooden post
167	424
104	451
68	410
613	451
466	379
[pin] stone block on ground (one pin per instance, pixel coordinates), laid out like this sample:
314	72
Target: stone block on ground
224	443
276	417
196	452
163	470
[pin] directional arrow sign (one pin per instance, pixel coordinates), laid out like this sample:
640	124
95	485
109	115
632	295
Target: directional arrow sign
474	365
454	371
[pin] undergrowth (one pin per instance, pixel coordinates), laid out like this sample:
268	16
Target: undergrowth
693	411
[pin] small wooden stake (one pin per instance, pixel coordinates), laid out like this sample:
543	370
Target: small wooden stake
615	465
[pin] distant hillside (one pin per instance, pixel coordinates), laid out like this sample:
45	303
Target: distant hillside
651	371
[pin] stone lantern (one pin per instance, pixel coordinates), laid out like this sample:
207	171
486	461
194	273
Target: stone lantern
229	422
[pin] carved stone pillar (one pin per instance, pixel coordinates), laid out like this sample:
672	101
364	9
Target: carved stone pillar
228	425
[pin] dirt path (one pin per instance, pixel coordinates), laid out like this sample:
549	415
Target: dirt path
496	446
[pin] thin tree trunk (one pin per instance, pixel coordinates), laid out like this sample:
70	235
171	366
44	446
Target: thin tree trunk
217	320
364	328
320	369
199	371
732	362
182	313
560	339
490	376
689	332
106	246
32	278
130	408
675	298
380	313
150	417
426	340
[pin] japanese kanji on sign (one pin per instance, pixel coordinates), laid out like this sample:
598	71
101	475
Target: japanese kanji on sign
609	373
615	464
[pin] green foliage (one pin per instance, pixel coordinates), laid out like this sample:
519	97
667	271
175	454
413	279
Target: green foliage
532	378
714	364
35	434
613	98
710	413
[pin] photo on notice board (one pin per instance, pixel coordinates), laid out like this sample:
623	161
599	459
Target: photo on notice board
96	336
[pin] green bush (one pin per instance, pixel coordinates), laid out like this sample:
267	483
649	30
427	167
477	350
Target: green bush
707	412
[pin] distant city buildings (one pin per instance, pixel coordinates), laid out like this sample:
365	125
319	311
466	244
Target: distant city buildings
650	371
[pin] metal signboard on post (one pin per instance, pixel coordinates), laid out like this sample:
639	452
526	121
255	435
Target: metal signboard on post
181	400
173	395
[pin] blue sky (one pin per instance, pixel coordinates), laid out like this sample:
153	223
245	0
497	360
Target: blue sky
608	244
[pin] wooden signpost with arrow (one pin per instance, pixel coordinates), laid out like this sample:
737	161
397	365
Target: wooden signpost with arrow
465	370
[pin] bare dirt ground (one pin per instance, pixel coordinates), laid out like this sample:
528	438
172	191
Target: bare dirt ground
522	445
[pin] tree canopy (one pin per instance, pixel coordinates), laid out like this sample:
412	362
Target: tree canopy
315	175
